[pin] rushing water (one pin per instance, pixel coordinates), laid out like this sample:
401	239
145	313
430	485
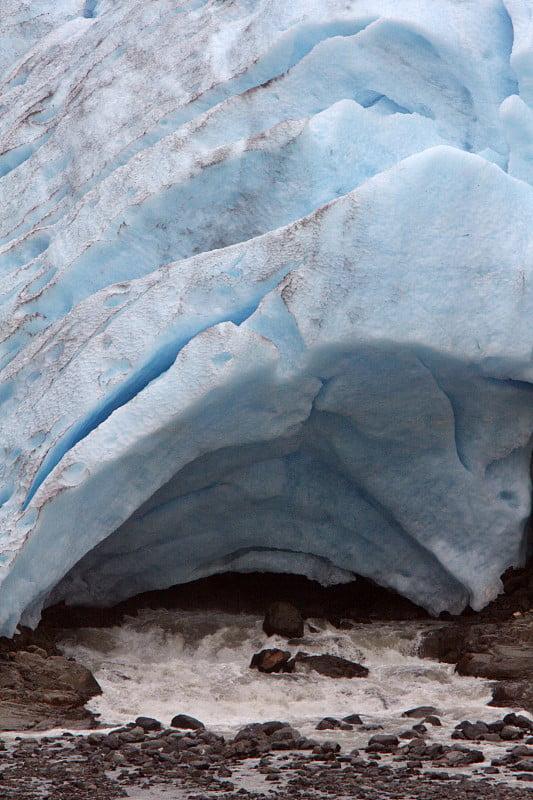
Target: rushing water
163	662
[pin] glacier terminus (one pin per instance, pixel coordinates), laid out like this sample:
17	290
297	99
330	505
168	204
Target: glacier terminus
266	291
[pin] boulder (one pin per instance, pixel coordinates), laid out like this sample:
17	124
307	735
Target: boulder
187	723
331	724
274	660
148	724
503	662
284	619
382	743
56	672
331	666
353	719
513	693
419	712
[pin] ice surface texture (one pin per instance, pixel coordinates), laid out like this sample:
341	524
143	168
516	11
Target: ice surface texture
266	295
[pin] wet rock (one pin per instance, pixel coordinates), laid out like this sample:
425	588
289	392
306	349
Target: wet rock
431	719
187	723
518	721
331	724
410	734
420	728
511	732
419	712
331	666
445	644
382	742
272	726
284	619
273	660
148	724
525	765
461	756
503	662
521	751
251	731
472	730
327	748
512	693
56	672
353	719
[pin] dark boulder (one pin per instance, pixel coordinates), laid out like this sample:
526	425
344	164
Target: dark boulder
187	723
284	619
443	644
513	693
353	719
420	712
382	743
148	724
274	660
518	721
503	662
332	724
331	666
55	673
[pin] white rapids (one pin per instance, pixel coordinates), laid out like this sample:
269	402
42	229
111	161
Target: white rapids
163	662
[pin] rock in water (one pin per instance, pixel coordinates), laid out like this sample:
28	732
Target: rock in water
272	661
284	619
266	296
332	666
186	722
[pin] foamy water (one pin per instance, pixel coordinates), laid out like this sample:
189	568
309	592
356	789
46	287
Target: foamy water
162	662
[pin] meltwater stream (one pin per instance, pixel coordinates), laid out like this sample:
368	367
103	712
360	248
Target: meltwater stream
161	663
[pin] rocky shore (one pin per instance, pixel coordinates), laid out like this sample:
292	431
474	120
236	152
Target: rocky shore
496	643
265	760
40	688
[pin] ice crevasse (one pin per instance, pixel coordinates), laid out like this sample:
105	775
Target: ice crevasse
266	277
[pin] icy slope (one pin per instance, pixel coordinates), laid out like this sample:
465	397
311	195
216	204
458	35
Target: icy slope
265	295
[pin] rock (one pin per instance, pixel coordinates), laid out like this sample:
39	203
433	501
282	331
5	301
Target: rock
410	734
419	712
252	731
511	732
382	742
188	723
274	660
56	672
284	619
420	728
353	719
518	721
332	666
521	751
271	727
10	677
513	693
503	662
459	756
331	724
149	724
431	719
525	765
472	730
443	644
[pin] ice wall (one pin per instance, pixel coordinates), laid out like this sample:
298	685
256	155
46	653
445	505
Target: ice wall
265	298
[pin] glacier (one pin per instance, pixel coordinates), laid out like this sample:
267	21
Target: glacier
265	297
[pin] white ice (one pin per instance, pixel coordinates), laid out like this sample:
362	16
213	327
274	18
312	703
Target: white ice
265	297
